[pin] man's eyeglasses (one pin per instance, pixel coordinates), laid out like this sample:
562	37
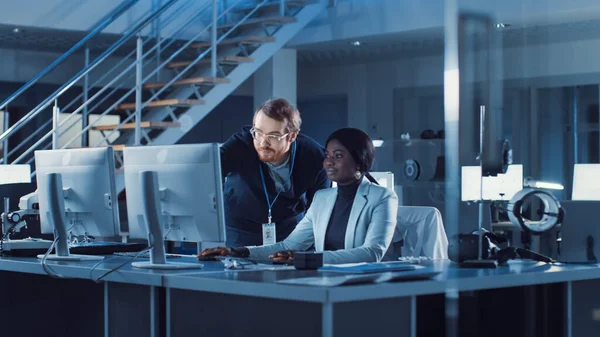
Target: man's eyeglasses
270	138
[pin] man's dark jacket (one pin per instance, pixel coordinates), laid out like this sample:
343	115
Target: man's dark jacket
245	203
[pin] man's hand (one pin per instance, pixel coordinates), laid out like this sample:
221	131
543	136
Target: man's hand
284	255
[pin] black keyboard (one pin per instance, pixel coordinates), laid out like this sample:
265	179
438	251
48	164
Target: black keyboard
144	255
105	248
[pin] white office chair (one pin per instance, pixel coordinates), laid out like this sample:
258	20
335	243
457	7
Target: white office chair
422	230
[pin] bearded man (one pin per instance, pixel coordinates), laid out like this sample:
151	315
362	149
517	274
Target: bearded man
272	173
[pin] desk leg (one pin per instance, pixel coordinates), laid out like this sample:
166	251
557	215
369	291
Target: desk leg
413	316
168	311
132	310
154	319
106	311
569	309
327	320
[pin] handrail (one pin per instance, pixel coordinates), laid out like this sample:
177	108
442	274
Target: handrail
123	72
84	71
105	75
192	64
103	23
101	96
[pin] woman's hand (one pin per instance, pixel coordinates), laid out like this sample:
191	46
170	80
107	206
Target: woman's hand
223	251
216	251
284	255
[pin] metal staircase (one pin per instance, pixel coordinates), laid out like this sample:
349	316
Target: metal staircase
164	82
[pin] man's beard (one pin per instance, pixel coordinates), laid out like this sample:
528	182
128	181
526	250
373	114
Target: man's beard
268	155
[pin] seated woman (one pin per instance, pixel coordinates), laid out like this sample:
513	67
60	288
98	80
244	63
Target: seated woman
354	222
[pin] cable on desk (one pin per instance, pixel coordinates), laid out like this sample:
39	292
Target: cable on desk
44	263
117	267
46	267
124	263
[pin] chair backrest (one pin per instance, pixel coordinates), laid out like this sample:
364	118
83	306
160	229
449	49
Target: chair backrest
422	230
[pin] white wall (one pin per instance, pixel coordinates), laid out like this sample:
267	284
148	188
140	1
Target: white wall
540	65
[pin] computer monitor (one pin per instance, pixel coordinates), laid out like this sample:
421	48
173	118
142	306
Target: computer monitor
385	179
87	195
502	187
585	182
190	189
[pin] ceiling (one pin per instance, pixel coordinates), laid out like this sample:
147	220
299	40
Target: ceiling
430	42
60	41
418	43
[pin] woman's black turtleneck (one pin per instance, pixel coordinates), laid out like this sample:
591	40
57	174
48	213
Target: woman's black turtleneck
336	229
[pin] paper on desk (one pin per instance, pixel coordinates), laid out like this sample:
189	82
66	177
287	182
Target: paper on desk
364	268
15	174
420	273
332	281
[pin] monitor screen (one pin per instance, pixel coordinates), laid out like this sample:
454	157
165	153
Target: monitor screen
501	187
586	185
385	179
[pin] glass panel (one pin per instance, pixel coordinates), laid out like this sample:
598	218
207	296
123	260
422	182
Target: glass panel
534	66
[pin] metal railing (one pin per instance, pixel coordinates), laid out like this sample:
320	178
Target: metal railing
142	23
104	22
120	75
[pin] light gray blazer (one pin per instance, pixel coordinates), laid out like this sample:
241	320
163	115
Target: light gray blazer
370	230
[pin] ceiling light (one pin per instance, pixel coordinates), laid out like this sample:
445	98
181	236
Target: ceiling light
378	142
502	25
356	43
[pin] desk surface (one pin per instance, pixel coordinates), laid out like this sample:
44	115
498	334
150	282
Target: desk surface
83	270
262	283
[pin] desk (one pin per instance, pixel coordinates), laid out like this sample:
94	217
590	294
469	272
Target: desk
129	303
255	298
134	302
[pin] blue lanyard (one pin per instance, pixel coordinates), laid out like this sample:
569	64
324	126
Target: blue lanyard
262	176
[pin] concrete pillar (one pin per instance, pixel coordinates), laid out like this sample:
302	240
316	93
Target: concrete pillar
277	78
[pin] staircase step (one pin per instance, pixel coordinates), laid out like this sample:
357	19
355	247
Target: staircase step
188	81
164	102
267	20
145	125
118	147
250	39
221	60
275	5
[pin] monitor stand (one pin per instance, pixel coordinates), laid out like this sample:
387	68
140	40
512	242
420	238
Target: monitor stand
150	204
56	208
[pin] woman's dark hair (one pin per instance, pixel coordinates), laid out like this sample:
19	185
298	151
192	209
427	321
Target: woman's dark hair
360	146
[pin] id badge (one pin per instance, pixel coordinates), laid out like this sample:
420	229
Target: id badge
268	233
